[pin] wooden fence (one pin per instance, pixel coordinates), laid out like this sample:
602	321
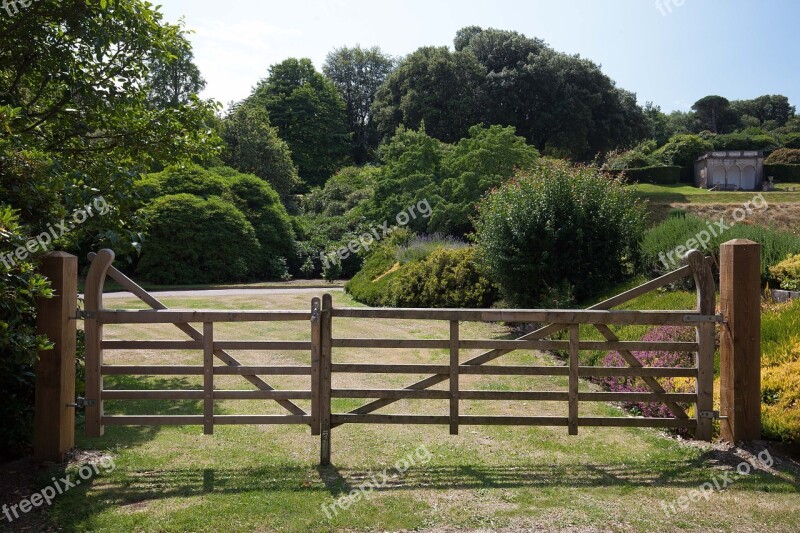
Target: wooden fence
322	366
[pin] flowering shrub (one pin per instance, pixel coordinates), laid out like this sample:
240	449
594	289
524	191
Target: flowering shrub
655	359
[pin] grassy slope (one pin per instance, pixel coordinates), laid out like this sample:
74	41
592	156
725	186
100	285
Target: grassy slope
254	478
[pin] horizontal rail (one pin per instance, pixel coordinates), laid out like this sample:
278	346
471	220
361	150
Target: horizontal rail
477	344
646	371
397	394
579	316
176	316
263	345
152	345
515	420
360	368
514	395
197	420
189	370
198	395
509	370
389	343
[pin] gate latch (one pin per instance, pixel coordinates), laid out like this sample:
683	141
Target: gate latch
81	402
709	414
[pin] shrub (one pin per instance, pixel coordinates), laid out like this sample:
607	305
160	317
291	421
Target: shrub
20	286
674	232
262	206
347	190
787	273
655	175
780	374
744	141
791	140
559	230
179	179
784	156
193	240
788	173
651	359
639	157
419	248
371	285
447	278
683	150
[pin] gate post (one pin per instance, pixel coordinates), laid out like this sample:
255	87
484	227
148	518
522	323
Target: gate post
94	342
54	424
706	341
325	323
740	343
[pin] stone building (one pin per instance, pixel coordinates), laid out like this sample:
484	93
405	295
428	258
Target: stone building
730	170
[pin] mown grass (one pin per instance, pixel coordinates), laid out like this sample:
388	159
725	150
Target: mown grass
688	194
266	478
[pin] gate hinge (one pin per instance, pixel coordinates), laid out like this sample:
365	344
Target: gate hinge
81	402
709	414
717	319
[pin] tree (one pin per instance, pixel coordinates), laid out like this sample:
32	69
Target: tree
174	78
435	86
714	114
770	111
658	123
310	116
358	73
252	146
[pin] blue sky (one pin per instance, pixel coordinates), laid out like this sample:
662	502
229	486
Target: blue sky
672	55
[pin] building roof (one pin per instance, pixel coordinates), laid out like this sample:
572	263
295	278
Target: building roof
724	154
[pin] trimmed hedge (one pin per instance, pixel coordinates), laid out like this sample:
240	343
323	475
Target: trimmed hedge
783	172
669	175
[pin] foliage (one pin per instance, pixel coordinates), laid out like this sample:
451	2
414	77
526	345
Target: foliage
252	146
744	141
791	140
371	284
346	191
651	359
476	164
785	156
421	247
656	175
358	73
714	113
177	179
780	371
192	240
20	286
683	150
787	273
174	78
641	156
431	85
310	116
769	111
558	232
448	277
787	173
677	231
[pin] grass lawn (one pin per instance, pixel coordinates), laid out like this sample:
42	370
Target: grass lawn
266	478
688	194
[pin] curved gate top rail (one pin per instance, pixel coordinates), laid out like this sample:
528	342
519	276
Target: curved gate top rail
321	366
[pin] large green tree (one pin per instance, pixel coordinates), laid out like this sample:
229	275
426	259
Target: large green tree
358	73
714	114
310	115
252	146
174	78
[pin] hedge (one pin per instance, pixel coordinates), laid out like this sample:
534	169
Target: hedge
783	172
655	175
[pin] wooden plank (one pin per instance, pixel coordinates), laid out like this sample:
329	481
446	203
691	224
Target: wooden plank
177	316
152	345
391	343
676	410
515	421
584	345
326	352
153	302
361	368
302	346
638	422
740	344
208	378
54	421
574	363
509	370
316	347
262	395
93	329
607	371
263	371
151	370
553	396
396	394
389	419
577	316
152	395
454	366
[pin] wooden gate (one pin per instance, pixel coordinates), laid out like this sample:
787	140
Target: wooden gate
322	367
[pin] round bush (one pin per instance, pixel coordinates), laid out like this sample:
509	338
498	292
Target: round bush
193	240
784	156
559	233
178	179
